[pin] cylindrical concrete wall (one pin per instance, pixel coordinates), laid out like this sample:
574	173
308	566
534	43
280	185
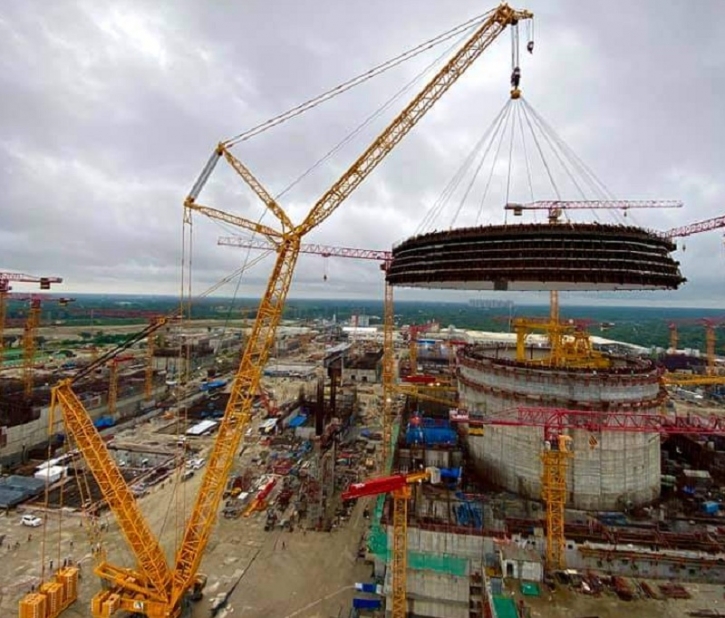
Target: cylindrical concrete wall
606	472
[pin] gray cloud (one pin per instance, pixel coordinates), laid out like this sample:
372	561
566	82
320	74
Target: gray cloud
110	110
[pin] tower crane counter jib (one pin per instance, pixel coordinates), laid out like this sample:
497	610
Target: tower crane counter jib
156	588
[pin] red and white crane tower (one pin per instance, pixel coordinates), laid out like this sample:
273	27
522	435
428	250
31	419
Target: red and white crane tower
6	279
557	425
384	257
399	486
696	228
30	332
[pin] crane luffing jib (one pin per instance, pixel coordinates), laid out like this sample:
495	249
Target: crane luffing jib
323	250
559	419
696	228
154	574
213	213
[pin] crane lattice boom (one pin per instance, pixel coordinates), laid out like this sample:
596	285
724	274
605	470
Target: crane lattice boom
696	228
139	591
323	250
595	204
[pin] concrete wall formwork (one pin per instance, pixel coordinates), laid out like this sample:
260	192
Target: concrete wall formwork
433	592
433	595
608	471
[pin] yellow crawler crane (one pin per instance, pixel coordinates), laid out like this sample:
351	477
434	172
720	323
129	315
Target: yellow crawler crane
154	588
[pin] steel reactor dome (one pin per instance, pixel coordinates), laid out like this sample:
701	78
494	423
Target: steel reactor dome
550	256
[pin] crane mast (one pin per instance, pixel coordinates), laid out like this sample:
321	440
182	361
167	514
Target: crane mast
5	280
236	416
155	591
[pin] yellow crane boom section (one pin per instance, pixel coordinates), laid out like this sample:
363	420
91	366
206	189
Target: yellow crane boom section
154	590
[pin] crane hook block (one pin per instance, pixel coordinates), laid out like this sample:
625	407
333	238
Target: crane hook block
530	47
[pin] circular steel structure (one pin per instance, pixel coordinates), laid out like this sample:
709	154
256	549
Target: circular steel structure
610	469
550	256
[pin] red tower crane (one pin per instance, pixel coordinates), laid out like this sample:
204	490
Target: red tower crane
399	486
556	448
323	250
555	208
30	332
696	228
5	286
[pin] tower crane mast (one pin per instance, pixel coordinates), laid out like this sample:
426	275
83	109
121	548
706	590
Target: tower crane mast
30	333
6	278
154	588
399	486
556	424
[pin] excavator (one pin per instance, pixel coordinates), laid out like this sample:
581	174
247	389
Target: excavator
154	587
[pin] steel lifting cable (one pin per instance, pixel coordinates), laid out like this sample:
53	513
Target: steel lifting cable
526	153
500	121
346	140
359	79
597	185
541	155
434	211
550	142
562	148
493	164
511	153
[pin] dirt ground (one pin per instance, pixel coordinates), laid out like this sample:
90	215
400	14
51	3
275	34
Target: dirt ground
303	574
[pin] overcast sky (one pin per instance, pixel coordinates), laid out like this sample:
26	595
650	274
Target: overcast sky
110	110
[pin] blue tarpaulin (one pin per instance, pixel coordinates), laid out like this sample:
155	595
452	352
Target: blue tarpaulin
359	603
297	421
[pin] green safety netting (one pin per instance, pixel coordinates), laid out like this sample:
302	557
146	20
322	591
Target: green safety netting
378	538
505	607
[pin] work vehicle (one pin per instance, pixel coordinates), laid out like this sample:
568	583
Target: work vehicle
31	520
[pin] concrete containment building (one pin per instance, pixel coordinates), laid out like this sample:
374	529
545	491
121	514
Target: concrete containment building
610	469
